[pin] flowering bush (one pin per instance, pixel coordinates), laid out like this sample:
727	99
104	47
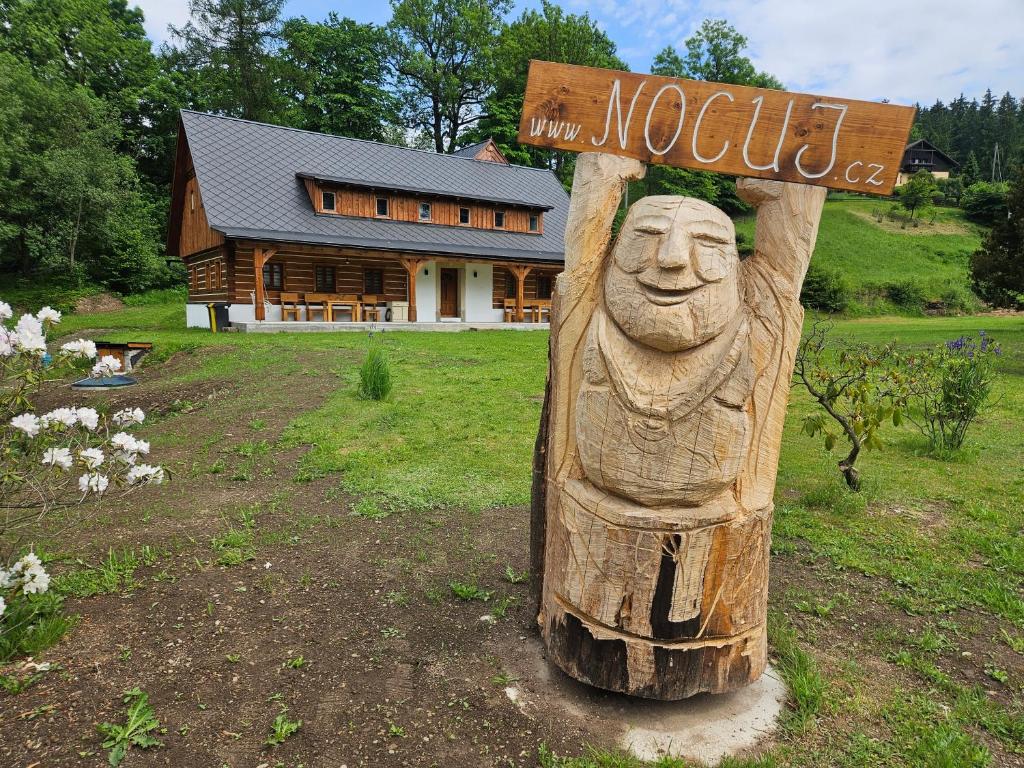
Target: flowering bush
51	461
948	387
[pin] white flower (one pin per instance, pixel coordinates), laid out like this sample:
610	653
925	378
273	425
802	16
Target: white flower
7	578
5	311
107	366
91	457
6	343
37	581
48	314
59	457
3	606
28	335
93	482
88	418
142	446
27	423
80	348
145	473
31	560
129	416
125	442
65	416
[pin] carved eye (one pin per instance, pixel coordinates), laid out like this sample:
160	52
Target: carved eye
650	230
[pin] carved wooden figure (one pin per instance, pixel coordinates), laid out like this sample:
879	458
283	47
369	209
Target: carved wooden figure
670	367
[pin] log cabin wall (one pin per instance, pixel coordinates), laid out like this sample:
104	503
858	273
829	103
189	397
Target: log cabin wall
299	273
208	277
406	207
196	235
502	278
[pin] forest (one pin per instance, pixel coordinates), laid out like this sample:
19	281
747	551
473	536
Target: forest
89	108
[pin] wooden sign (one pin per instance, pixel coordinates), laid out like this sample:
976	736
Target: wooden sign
733	129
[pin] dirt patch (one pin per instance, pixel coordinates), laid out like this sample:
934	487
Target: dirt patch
98	302
925	227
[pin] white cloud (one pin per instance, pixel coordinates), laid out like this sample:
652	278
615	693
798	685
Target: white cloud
158	14
915	50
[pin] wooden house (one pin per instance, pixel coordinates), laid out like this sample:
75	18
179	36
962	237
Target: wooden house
279	223
923	155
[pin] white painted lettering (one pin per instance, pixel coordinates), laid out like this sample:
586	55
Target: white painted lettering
537	126
696	129
774	164
878	169
835	138
679	125
614	100
850	168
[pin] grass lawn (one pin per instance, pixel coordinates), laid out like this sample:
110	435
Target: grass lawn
327	559
934	256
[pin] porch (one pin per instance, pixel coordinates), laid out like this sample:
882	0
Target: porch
317	326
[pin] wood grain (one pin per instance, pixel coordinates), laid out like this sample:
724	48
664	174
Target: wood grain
733	129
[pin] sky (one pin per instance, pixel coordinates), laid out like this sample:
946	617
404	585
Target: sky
906	51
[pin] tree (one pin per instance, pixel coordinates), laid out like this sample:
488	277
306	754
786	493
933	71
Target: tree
970	173
444	59
551	35
232	42
985	202
918	193
997	269
715	53
335	78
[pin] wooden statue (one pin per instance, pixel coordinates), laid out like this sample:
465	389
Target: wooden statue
670	369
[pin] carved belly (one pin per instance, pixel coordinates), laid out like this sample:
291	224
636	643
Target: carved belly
659	461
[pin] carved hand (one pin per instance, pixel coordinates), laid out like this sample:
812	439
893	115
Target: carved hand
758	191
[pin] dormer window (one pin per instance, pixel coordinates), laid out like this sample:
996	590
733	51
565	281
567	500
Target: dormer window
424	211
328	201
463	215
534	222
499	219
382	207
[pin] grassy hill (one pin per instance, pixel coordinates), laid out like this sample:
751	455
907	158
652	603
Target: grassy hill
888	268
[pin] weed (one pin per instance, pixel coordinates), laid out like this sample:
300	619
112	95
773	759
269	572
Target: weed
1016	642
501	606
396	730
295	662
281	729
115	574
503	679
798	670
513	576
375	380
396	598
234	658
997	674
469	591
140	722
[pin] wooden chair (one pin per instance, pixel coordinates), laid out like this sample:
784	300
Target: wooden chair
510	310
542	307
345	302
371	312
317	302
290	306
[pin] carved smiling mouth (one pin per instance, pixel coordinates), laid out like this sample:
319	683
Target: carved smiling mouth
665	297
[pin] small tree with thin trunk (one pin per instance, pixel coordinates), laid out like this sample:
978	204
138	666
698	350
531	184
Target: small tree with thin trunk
858	386
918	193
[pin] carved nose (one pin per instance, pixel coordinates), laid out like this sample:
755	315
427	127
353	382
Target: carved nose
674	252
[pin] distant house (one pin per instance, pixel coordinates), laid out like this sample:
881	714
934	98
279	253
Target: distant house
344	229
923	155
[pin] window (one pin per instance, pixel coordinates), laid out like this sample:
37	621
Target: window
273	276
463	215
382	206
328	201
373	281
534	222
424	211
323	278
202	277
543	286
499	219
510	285
215	275
192	278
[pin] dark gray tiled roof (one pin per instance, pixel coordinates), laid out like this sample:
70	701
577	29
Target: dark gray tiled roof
471	150
248	182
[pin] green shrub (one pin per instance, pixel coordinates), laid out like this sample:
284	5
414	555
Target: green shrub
375	373
985	202
906	294
825	290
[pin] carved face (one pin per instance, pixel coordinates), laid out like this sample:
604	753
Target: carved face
673	281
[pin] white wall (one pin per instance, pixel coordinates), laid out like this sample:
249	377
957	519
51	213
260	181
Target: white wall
478	295
427	289
197	316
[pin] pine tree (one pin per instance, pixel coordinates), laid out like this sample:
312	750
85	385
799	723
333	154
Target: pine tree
970	171
997	270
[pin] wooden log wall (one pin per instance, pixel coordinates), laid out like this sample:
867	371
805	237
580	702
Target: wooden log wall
299	275
502	276
208	276
401	207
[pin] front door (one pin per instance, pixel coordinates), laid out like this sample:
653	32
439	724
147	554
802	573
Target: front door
449	293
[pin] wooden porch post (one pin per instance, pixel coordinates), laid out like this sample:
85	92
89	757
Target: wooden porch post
520	272
412	267
260	256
